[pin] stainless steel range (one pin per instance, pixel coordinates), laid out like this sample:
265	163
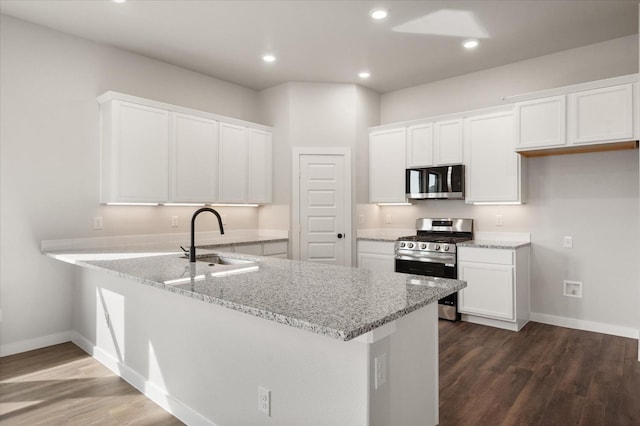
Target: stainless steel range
432	251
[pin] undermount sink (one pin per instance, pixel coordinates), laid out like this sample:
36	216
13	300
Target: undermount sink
215	259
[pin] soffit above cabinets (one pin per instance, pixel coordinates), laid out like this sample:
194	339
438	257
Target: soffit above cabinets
332	41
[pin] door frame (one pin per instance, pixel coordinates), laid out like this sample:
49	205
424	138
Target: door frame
297	152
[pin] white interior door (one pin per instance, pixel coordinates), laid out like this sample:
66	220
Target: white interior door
322	213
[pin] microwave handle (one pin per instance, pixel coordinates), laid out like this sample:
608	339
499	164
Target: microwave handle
449	173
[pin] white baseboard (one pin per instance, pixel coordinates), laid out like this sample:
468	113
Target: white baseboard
152	391
37	343
578	324
505	325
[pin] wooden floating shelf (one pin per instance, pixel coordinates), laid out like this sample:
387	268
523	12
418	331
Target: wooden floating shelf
618	146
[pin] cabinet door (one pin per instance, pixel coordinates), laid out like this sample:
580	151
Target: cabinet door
448	142
233	163
195	159
135	153
601	115
540	123
493	168
260	167
489	290
376	262
420	145
387	165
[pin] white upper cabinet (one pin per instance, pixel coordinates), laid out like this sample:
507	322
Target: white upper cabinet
135	153
152	152
601	115
387	164
448	142
540	123
420	145
260	167
194	148
493	168
234	163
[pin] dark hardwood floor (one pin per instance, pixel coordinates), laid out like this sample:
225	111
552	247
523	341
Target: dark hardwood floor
543	375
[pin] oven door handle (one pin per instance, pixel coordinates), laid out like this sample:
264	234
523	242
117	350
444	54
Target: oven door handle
448	260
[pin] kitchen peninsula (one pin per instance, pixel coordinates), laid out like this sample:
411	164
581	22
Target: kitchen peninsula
328	344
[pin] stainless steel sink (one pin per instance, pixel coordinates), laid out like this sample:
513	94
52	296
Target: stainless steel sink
215	259
218	266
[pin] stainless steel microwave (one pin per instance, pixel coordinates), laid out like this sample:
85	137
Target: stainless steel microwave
443	182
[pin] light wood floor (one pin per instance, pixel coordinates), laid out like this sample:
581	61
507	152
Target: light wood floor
542	375
62	385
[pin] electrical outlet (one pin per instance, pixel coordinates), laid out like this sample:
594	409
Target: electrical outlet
499	221
174	221
572	289
567	242
380	370
264	400
387	219
98	222
224	219
361	219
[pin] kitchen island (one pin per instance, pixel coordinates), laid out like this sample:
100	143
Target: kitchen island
333	345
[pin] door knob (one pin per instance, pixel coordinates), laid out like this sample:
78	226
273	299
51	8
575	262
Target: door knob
339	235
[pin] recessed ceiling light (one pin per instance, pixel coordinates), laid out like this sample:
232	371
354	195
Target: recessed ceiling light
119	1
364	74
470	44
379	13
269	58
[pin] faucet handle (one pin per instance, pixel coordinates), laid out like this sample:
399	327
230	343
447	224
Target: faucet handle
186	251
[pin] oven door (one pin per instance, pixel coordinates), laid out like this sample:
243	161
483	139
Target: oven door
433	265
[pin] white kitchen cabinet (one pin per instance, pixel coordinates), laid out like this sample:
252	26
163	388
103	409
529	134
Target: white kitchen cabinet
493	172
448	142
233	163
497	291
376	255
420	145
260	167
134	153
387	164
194	149
541	123
601	115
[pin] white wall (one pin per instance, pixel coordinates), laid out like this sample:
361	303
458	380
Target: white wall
316	115
49	82
487	88
572	195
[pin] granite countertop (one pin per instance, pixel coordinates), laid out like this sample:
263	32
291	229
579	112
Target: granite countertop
506	245
223	240
335	301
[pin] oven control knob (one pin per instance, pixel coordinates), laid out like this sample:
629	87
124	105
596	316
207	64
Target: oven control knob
437	247
423	246
446	247
410	245
402	244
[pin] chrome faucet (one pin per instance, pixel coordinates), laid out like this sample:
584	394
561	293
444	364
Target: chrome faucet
192	249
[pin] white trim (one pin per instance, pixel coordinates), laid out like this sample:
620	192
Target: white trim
578	324
295	197
35	343
149	389
505	325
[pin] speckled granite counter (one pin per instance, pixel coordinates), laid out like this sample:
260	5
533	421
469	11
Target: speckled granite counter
339	302
506	245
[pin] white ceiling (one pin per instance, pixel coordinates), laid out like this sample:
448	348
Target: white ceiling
331	41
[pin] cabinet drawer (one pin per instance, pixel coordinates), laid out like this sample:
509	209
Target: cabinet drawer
279	247
379	247
485	255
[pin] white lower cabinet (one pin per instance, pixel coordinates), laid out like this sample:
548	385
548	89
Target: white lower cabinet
497	292
376	255
272	249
